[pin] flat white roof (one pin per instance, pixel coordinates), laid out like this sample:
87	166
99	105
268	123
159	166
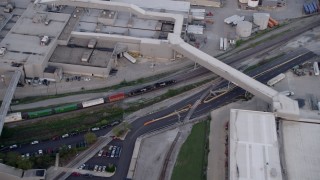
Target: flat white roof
176	6
301	150
253	151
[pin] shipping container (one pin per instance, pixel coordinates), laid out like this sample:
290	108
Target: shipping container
116	97
276	79
13	117
92	102
316	68
306	9
129	57
315	6
310	8
66	108
41	113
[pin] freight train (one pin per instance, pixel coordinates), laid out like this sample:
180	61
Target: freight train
85	104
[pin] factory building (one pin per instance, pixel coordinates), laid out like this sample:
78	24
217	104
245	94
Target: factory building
45	44
253	146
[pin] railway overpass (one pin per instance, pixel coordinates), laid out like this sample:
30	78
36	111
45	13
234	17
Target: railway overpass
283	106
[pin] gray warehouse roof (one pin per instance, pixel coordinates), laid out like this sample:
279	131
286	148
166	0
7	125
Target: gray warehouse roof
23	40
254	152
173	6
301	149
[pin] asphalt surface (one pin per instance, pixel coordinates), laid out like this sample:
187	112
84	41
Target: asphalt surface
138	128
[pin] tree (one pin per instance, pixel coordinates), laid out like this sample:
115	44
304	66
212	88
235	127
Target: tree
121	129
12	158
90	137
24	164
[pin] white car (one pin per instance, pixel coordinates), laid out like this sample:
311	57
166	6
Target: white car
13	146
69	146
65	136
34	142
82	166
27	155
100	153
104	168
40	152
95	168
95	129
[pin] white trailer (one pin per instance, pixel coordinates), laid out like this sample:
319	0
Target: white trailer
316	68
92	43
92	102
221	43
276	79
287	93
225	44
13	117
129	57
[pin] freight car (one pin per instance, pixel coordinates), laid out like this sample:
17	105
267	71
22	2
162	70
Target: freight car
85	104
66	108
93	102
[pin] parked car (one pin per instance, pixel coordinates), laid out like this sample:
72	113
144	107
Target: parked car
82	166
100	169
100	153
118	151
95	129
34	142
76	174
95	168
13	146
104	168
65	136
40	152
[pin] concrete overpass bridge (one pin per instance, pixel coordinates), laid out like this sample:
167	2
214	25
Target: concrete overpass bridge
283	106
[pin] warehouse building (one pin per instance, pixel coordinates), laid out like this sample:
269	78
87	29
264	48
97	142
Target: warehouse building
58	43
253	146
30	43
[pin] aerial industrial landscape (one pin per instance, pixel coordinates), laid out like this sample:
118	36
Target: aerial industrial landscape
159	90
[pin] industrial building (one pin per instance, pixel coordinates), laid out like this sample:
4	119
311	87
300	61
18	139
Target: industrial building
253	146
54	44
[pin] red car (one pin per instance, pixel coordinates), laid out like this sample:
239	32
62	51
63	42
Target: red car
76	174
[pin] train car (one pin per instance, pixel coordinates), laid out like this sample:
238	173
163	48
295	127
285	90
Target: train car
92	102
164	84
13	117
41	113
116	97
65	108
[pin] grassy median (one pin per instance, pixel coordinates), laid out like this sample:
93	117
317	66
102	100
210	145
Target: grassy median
192	159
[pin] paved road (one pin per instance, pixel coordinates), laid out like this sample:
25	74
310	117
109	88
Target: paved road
138	128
